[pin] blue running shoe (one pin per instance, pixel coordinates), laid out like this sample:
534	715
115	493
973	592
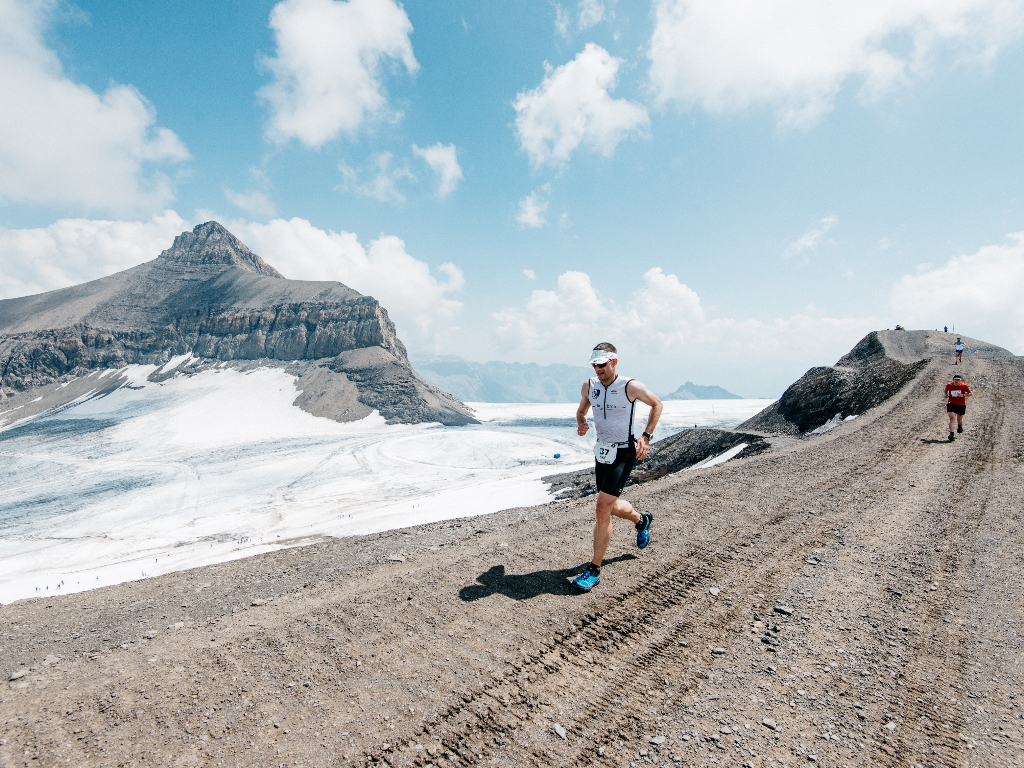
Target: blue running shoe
587	580
643	530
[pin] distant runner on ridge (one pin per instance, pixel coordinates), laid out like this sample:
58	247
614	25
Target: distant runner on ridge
613	398
957	393
959	347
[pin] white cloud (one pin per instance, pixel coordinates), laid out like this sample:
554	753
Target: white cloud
561	21
591	13
416	300
442	160
72	251
573	107
253	201
328	63
532	210
794	55
980	293
812	238
61	143
660	324
383	180
530	274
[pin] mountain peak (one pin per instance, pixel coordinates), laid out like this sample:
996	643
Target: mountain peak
211	244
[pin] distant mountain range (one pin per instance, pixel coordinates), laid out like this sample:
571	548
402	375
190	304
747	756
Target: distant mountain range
497	382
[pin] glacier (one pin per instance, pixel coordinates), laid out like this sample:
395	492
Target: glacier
162	476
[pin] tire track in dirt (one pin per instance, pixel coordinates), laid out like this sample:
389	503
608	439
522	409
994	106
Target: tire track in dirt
964	504
649	597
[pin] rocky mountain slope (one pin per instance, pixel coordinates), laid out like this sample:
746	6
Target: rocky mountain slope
210	297
878	367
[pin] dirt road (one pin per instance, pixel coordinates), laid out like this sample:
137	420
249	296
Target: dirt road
853	599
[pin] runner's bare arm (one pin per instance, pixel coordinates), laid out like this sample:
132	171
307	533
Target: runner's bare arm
581	412
639	392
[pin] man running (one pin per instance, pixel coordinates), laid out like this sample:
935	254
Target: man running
957	393
613	399
959	347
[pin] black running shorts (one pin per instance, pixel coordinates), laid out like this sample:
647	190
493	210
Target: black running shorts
958	409
611	478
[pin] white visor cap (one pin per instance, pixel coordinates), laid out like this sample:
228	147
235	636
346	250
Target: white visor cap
600	356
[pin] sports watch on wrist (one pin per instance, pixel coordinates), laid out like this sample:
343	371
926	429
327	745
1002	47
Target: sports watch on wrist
649	436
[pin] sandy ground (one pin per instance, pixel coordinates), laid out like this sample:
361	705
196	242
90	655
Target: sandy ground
852	599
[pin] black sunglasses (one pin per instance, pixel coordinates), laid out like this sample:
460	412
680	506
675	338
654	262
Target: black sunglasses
599	365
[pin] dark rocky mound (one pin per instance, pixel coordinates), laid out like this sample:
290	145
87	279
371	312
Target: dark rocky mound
210	296
672	454
860	380
878	367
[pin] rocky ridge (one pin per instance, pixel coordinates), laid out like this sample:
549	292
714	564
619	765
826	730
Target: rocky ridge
879	366
876	369
210	297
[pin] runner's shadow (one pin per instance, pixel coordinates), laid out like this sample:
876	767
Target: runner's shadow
494	581
934	442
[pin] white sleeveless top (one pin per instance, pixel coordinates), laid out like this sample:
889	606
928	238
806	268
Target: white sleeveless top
613	410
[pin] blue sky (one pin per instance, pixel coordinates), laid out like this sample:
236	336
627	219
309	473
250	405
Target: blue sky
730	191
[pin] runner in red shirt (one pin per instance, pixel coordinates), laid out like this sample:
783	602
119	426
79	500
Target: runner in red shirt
957	393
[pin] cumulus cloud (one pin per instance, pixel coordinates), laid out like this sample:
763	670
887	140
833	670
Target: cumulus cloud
812	238
573	107
793	56
980	293
442	160
378	179
72	251
532	211
327	71
530	274
253	201
61	143
664	320
419	302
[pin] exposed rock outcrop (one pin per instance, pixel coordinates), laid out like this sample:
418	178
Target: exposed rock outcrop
878	367
210	296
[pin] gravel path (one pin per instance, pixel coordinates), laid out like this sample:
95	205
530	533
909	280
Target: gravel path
851	599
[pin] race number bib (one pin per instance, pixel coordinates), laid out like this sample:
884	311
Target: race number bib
954	393
606	452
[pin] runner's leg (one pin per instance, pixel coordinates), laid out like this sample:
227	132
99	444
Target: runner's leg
952	421
607	506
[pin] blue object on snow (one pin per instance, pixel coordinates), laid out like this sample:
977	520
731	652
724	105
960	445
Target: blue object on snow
558	455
